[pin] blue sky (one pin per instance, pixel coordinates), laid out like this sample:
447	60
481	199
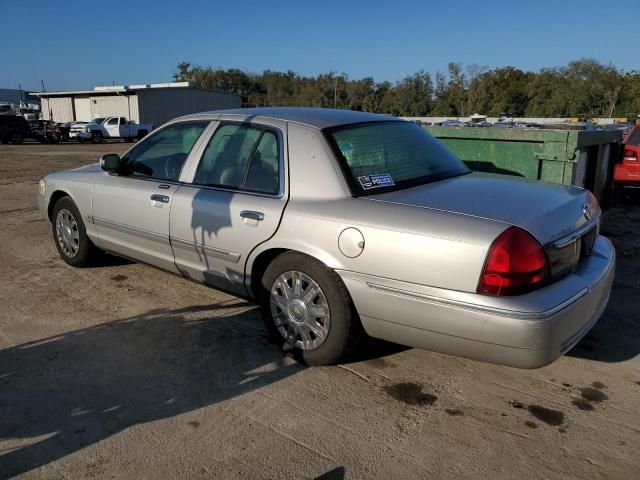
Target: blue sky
79	44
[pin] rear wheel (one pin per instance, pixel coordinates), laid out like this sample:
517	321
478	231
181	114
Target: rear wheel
70	235
307	309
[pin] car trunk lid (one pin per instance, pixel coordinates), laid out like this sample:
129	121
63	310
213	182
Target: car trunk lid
548	211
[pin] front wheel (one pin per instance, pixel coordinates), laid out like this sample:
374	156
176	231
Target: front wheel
307	308
96	137
70	235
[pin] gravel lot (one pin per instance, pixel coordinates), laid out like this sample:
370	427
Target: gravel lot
124	371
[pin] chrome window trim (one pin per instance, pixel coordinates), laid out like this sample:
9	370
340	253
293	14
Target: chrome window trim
188	160
188	180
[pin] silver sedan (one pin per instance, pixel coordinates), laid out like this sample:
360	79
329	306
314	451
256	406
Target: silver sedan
342	224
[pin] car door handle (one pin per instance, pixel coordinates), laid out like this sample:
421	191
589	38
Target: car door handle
258	216
156	197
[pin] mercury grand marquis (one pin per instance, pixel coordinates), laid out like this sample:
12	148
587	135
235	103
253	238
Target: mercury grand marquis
343	224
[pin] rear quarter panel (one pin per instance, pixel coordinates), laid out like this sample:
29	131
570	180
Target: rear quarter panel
410	244
416	245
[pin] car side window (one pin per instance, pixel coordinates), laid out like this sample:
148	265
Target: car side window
241	157
163	154
123	121
113	121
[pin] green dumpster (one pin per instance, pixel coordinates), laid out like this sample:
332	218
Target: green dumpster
572	157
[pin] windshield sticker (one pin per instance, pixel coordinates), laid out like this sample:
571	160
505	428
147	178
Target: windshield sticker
376	181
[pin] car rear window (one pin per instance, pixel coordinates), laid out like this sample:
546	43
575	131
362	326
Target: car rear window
634	138
384	156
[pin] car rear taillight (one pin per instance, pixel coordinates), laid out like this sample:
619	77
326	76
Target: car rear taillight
630	155
516	264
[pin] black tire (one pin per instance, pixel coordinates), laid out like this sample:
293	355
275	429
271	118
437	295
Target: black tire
16	138
87	252
345	329
96	137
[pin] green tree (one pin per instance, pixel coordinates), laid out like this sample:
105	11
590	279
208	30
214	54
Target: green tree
583	87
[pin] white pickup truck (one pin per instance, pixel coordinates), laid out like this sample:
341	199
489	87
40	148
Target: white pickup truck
113	127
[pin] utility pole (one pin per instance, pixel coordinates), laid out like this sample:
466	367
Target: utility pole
44	89
335	94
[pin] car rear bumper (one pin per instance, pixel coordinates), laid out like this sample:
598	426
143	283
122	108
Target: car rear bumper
526	331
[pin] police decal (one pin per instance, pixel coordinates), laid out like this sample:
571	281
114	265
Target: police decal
376	181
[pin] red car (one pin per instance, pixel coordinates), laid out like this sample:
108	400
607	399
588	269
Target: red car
626	175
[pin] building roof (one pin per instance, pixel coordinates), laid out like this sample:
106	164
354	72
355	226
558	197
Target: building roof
315	117
123	89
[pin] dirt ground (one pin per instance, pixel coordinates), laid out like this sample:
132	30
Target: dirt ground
124	371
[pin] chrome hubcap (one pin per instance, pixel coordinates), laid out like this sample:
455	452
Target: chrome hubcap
67	233
300	310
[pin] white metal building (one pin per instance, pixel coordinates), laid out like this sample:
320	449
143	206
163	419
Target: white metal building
154	103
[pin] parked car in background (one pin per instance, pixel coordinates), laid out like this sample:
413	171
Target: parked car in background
113	127
454	123
76	128
626	174
13	129
341	223
45	131
65	129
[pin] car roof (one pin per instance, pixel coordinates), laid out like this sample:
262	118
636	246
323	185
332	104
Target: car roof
315	117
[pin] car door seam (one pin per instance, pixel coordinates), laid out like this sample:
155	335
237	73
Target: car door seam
287	177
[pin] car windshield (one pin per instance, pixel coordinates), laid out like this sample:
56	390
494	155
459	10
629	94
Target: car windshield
99	120
384	156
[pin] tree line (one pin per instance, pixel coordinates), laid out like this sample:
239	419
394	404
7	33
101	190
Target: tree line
582	88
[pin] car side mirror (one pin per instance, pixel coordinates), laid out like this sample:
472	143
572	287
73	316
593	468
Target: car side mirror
111	162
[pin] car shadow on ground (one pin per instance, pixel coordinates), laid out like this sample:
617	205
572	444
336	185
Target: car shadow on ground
616	336
81	387
108	260
78	388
